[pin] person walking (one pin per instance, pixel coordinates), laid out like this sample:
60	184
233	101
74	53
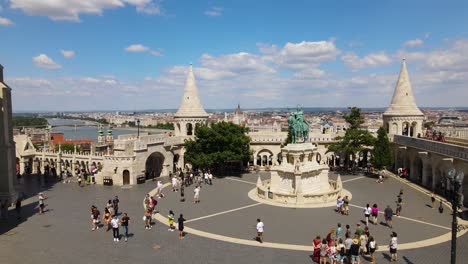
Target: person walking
170	219
124	222
115	228
41	203
260	228
210	178
174	183
367	213
147	218
180	222
182	193
375	213
147	201
393	245
388	212
115	205
95	217
110	207
196	195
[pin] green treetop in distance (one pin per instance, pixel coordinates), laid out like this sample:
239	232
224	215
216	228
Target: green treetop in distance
382	155
355	139
217	144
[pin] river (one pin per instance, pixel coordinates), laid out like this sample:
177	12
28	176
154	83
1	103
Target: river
83	132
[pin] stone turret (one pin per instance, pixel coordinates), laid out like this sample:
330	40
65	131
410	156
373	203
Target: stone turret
109	137
191	111
403	116
7	145
101	137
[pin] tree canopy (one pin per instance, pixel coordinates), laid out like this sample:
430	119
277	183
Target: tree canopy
217	144
19	121
382	155
355	139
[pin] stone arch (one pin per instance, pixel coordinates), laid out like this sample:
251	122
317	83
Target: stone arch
154	164
178	128
264	157
394	129
405	128
190	128
413	129
125	177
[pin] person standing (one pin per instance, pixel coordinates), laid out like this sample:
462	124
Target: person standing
41	203
147	201
196	195
367	213
160	189
210	178
433	199
359	230
115	228
346	205
174	183
324	251
260	227
124	222
181	221
18	208
339	232
316	253
110	207
372	248
393	246
398	209
107	218
115	205
339	205
354	252
375	213
388	212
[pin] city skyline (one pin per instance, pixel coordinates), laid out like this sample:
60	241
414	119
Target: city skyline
134	54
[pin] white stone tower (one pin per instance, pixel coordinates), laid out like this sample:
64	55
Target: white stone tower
101	137
191	110
109	137
7	145
403	116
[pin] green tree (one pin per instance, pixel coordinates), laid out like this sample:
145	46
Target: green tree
382	155
67	147
19	121
355	139
217	144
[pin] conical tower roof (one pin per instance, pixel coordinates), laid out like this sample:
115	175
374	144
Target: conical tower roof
191	105
403	103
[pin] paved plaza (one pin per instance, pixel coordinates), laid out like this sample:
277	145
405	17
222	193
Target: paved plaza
220	229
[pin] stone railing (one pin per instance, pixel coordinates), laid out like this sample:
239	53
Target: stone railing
445	149
269	138
172	141
454	132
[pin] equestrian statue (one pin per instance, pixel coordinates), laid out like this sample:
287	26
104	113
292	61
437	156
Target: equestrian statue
298	126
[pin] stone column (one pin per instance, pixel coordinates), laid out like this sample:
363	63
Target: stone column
22	164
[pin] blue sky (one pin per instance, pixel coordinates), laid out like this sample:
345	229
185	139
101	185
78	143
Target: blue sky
133	54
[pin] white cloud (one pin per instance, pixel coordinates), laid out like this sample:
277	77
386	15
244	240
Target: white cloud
301	55
43	61
353	61
6	22
413	43
68	53
237	63
214	11
70	10
138	48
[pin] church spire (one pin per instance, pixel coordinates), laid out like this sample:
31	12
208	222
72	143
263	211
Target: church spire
403	102
191	105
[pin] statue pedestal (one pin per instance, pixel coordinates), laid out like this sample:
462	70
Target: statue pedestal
300	179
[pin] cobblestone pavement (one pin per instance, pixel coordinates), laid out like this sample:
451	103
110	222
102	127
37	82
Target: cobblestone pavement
63	234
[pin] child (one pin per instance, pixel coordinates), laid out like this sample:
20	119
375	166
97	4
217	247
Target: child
171	221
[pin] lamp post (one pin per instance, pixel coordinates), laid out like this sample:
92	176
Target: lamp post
138	128
455	179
